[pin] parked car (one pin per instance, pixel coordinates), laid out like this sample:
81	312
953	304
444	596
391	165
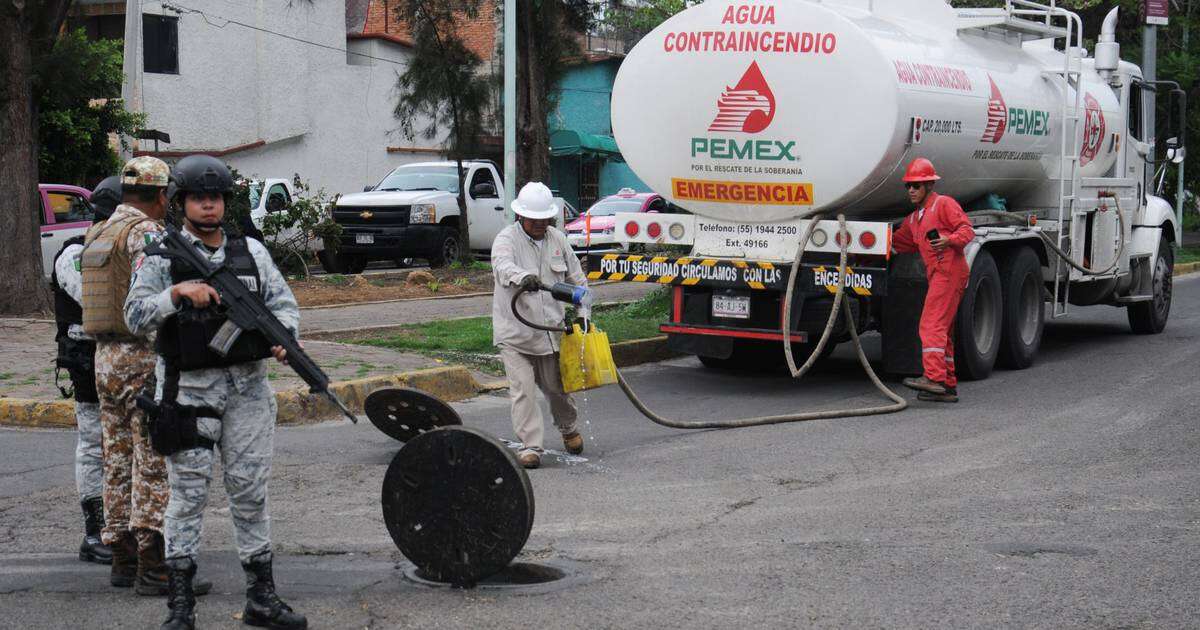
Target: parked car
603	221
66	213
414	213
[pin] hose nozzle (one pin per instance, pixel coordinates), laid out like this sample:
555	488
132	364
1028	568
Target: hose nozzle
571	294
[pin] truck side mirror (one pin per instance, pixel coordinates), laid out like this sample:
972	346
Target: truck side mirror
483	191
368	188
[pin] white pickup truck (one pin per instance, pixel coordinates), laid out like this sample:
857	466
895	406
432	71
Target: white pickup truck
414	213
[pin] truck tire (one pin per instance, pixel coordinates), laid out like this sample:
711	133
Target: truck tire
447	250
354	264
1150	318
331	262
1021	286
977	328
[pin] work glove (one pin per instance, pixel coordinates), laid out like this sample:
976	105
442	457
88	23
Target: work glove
531	283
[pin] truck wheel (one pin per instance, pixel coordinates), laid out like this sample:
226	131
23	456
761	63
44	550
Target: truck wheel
354	264
447	250
330	262
977	330
1150	318
1024	311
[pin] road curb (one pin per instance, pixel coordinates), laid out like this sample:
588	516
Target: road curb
296	406
1185	269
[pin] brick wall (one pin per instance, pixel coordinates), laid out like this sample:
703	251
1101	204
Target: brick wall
479	34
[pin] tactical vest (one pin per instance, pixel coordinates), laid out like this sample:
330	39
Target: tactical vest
66	310
183	339
107	269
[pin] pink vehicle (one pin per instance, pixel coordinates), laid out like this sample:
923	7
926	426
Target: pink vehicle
66	212
603	221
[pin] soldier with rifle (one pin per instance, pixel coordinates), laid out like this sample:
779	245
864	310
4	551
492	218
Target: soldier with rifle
212	388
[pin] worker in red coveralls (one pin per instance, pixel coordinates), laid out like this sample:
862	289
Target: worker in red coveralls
939	230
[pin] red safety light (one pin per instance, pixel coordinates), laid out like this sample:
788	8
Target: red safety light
654	230
867	240
631	229
842	237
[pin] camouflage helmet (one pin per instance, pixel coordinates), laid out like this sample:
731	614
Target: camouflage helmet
106	197
202	173
145	172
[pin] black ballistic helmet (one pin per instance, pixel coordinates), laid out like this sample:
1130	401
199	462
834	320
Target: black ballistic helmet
106	197
201	173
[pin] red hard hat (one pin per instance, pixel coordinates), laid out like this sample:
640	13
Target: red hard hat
921	170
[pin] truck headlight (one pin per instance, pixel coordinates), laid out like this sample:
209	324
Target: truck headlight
423	213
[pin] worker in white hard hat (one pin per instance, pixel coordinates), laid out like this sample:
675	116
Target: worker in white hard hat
525	255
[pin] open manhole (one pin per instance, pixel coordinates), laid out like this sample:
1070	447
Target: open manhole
518	577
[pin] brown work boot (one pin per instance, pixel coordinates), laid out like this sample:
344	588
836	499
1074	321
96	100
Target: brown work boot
951	396
573	443
529	459
923	384
124	560
153	574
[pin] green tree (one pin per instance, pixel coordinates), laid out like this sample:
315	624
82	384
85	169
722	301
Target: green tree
78	83
25	29
442	87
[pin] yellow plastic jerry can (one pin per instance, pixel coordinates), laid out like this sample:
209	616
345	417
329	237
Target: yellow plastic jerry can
585	360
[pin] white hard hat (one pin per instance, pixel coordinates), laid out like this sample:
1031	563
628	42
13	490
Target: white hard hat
535	201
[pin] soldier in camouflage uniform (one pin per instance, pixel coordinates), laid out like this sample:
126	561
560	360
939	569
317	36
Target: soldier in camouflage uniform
76	355
227	399
135	477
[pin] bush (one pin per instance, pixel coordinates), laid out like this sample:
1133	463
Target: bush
290	233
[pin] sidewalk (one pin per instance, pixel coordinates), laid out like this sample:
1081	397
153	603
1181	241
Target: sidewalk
324	319
27	355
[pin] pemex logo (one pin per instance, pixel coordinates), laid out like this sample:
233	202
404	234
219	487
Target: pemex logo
1093	131
748	107
997	116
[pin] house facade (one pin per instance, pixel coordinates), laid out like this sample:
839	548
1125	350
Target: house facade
585	162
272	87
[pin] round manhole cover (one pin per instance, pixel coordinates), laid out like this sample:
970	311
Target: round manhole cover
404	413
457	505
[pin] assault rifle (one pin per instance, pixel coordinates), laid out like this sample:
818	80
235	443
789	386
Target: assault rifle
245	311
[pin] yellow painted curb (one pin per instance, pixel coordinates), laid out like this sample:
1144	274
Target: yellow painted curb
1186	268
37	414
296	406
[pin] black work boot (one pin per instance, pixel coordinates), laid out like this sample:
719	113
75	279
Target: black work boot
263	606
152	573
92	549
181	600
124	560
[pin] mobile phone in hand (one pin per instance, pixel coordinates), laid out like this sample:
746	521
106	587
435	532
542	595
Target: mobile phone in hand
932	235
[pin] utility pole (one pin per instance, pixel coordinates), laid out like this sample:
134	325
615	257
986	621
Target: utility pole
510	105
1179	197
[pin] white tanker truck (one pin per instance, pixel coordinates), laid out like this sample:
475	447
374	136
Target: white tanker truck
757	114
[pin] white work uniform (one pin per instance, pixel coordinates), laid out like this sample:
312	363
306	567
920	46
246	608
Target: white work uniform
531	356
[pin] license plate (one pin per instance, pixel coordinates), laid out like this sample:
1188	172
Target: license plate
731	306
364	239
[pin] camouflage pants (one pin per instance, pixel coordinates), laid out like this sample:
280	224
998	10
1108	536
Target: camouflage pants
89	459
135	477
245	437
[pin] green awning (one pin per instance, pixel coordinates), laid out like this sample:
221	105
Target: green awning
569	142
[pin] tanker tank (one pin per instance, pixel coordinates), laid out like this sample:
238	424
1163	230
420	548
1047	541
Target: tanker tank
772	110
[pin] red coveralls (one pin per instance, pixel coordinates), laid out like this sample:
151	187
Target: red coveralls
947	273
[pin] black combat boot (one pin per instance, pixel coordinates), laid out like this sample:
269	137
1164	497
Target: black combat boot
181	600
263	606
124	560
92	549
153	576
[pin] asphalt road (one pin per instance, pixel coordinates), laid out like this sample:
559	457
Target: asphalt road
1063	496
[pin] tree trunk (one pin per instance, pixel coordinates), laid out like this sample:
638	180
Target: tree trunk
533	138
22	290
464	223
